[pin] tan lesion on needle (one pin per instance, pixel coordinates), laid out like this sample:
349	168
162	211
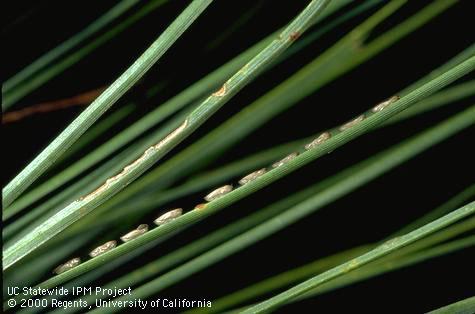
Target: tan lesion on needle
172	135
221	92
127	169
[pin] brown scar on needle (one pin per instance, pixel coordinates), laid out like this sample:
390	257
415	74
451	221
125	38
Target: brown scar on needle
294	36
221	92
136	162
201	206
172	135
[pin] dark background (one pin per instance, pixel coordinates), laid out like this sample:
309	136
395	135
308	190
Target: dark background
367	215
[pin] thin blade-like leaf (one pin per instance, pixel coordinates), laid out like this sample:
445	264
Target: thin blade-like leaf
102	103
113	185
382	250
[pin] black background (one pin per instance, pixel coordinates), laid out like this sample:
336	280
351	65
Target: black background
368	214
